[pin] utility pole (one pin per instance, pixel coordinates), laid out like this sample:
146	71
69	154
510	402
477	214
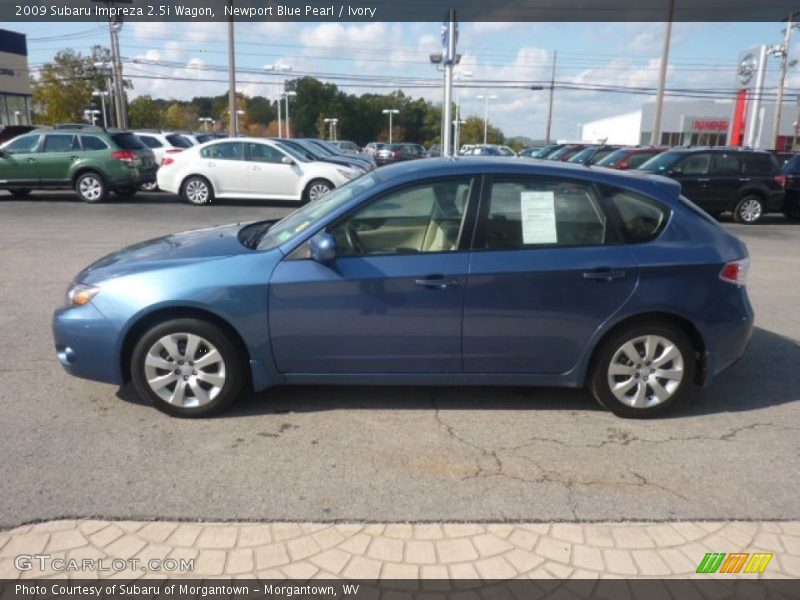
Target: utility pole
783	52
449	58
234	124
655	137
550	103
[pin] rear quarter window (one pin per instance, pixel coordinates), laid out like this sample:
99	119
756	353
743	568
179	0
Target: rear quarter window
128	141
642	219
759	164
91	142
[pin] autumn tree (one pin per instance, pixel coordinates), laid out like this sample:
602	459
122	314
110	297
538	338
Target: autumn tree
145	113
63	89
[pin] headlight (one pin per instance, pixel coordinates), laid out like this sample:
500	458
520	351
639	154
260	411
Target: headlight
348	173
80	294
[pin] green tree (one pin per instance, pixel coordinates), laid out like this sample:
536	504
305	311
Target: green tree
472	132
63	89
144	113
175	118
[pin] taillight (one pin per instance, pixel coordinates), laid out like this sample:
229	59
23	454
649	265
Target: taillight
736	271
124	155
780	180
167	161
396	154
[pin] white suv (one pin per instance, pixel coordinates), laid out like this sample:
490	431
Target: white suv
163	144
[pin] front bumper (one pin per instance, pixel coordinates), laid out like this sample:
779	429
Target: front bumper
86	344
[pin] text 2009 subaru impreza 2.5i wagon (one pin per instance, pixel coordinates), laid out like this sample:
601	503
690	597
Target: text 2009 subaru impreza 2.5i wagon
476	271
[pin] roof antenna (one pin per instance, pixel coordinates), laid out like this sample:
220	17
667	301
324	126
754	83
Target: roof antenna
587	162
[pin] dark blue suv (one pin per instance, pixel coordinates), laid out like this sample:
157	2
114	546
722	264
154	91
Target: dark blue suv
474	271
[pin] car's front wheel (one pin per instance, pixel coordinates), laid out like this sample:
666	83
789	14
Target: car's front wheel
197	190
316	189
749	210
91	187
187	368
642	370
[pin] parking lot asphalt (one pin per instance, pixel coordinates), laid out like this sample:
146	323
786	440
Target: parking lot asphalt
73	448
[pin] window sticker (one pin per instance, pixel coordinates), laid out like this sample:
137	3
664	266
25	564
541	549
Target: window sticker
538	211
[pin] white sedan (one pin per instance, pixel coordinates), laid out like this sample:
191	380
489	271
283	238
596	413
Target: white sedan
249	168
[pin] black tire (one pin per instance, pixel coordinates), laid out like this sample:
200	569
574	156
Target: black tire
126	192
194	405
91	187
314	185
599	377
19	192
749	209
197	190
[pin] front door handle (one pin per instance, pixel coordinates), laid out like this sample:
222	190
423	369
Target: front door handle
436	283
603	275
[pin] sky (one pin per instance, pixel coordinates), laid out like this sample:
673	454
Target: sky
379	57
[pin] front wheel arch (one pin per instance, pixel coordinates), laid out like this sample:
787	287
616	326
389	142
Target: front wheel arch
146	322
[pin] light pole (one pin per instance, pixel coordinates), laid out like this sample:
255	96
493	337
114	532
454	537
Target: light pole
91	115
655	137
105	69
275	69
550	102
205	121
287	95
332	122
486	98
458	121
17	115
103	103
391	112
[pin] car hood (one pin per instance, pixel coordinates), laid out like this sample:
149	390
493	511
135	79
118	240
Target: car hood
171	250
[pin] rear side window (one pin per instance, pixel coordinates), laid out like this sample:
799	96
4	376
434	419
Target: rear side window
91	142
150	141
528	213
128	141
642	219
759	164
725	164
60	143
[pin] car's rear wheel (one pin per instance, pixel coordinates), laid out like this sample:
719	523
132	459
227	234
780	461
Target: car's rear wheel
316	189
197	190
91	187
187	368
749	210
19	192
642	370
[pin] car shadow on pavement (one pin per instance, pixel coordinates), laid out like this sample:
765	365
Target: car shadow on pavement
766	376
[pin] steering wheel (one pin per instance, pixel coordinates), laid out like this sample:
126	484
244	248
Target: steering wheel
352	238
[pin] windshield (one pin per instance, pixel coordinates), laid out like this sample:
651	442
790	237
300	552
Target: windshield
613	158
662	162
312	213
292	152
582	155
321	148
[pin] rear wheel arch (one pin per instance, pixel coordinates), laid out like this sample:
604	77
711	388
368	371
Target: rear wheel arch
654	318
148	321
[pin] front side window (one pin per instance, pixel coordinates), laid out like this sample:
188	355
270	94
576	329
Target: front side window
423	218
529	213
224	151
696	164
22	145
60	143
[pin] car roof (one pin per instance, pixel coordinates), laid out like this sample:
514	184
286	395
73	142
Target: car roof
437	167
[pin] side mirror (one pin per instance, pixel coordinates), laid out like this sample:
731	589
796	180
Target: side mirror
287	161
322	247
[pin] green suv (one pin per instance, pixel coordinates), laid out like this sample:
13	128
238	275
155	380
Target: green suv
92	161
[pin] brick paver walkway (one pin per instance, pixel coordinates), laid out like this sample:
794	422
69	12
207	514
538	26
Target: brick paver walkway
401	550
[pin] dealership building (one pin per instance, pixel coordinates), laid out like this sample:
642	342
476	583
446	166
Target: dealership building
15	83
695	123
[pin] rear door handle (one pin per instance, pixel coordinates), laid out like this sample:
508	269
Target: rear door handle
703	179
437	283
603	275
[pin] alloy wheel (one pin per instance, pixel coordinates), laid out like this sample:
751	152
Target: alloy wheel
197	191
91	188
750	210
317	190
185	370
646	371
